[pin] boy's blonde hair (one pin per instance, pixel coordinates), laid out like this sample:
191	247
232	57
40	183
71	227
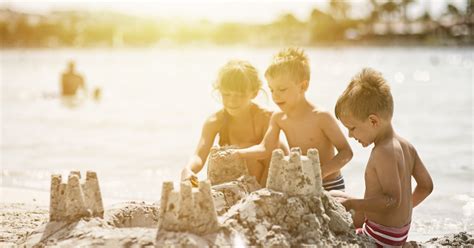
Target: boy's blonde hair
290	62
238	76
367	93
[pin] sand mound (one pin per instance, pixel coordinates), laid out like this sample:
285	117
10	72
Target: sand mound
222	167
270	218
133	214
462	239
228	194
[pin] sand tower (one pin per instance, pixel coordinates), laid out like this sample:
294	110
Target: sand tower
295	174
189	210
73	200
222	168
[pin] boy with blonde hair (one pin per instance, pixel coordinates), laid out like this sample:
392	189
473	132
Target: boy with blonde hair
366	108
305	125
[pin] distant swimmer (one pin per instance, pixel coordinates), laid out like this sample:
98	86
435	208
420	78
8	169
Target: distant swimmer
71	81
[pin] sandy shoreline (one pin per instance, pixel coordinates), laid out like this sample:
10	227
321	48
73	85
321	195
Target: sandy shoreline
23	212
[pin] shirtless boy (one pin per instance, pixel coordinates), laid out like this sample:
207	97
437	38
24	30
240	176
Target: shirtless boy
384	214
304	124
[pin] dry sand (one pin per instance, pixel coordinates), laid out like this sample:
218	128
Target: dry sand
245	215
135	224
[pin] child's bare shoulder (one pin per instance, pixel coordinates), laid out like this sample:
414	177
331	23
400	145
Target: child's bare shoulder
263	113
278	115
409	150
323	117
215	120
405	143
383	153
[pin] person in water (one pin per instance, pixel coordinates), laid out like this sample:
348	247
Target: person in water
241	122
71	81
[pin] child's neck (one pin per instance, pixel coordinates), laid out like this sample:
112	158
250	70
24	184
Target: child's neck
244	115
300	109
386	133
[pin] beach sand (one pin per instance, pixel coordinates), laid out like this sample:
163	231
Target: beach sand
24	219
292	211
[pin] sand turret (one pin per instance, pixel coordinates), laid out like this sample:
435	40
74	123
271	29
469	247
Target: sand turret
189	210
73	200
223	168
295	174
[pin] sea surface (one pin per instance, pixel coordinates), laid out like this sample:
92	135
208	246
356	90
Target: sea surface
155	100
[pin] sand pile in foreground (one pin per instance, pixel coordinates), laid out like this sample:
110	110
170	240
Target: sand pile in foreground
124	225
262	217
18	220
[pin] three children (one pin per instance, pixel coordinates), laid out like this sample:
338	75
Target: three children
365	108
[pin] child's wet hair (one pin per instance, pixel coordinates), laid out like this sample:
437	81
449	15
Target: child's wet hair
367	93
238	76
290	62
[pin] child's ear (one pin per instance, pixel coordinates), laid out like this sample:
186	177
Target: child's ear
374	120
304	85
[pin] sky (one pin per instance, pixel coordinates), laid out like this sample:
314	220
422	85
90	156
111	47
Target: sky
262	11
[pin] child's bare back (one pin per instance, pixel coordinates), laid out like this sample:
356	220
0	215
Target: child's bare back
389	169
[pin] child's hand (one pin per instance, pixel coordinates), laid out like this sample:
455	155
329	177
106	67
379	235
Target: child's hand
187	174
234	154
342	198
346	203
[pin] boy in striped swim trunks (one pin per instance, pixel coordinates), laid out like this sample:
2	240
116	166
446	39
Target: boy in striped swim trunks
304	124
384	214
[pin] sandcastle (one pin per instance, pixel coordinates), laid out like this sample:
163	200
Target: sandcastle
223	168
189	210
295	174
73	200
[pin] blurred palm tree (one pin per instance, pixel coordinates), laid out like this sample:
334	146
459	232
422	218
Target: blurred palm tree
339	9
390	11
405	4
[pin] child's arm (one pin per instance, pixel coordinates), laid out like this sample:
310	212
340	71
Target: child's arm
268	144
386	171
358	217
424	183
198	159
336	137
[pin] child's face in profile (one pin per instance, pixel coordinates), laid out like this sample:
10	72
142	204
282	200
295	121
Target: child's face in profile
236	102
362	131
285	92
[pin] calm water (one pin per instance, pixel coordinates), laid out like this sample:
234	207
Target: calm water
155	101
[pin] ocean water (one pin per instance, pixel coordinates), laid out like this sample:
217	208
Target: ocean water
155	100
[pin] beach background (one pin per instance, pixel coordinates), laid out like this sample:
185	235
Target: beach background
155	100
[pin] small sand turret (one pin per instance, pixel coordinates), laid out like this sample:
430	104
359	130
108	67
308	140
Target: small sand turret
295	174
73	200
222	168
189	210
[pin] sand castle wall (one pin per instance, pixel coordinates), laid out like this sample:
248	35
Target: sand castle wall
223	168
188	210
73	200
295	174
293	211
